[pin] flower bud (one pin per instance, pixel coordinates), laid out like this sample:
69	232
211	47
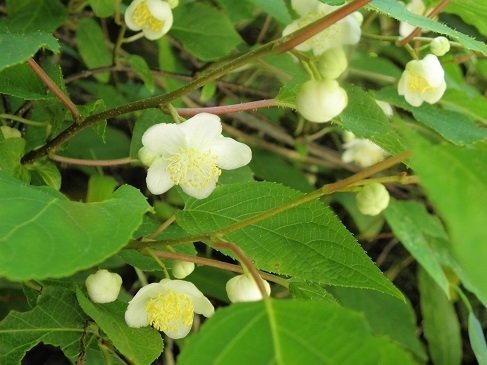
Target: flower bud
243	288
103	286
146	156
372	199
332	63
439	46
10	132
172	3
320	101
181	269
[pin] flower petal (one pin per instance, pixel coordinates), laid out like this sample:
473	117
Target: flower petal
158	178
203	306
164	139
231	154
129	15
435	95
136	315
201	130
180	331
201	192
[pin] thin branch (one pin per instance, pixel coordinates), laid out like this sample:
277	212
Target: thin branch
101	163
226	109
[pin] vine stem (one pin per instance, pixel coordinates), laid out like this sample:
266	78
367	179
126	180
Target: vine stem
277	46
324	190
54	88
225	109
417	30
100	163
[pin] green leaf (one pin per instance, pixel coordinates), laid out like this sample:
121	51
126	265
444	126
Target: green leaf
455	180
100	188
303	290
56	320
398	11
17	47
204	31
386	315
414	226
207	92
472	105
240	175
69	236
307	242
103	8
48	173
11	151
237	11
440	323
21	81
142	69
289	332
365	119
36	15
92	47
453	126
477	339
471	11
277	9
139	345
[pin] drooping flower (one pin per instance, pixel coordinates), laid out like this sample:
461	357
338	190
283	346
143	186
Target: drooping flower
321	101
362	152
415	7
153	17
191	155
168	306
332	63
422	80
440	46
243	288
103	286
181	269
345	31
372	199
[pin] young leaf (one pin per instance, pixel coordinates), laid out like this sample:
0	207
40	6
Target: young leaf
46	172
21	81
139	345
56	320
103	8
277	9
289	333
304	290
477	339
307	242
45	235
142	69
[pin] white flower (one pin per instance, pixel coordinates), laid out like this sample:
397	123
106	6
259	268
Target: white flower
332	63
362	152
153	17
168	306
422	80
386	108
103	286
191	154
320	101
181	269
10	132
415	7
243	288
345	31
372	199
440	46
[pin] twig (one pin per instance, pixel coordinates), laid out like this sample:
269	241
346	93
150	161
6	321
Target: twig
101	163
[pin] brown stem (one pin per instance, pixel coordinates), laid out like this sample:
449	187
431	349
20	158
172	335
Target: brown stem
417	31
101	163
54	88
162	227
225	109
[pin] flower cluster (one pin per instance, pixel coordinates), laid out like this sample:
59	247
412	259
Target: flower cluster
153	17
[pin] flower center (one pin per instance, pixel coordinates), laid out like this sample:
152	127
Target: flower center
193	168
169	311
418	83
144	19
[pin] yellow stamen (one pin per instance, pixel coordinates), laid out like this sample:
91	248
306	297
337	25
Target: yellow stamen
169	310
144	19
193	168
418	83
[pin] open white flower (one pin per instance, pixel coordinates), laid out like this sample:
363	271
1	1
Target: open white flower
415	7
191	155
372	199
321	101
181	269
362	152
103	286
243	288
345	31
422	80
153	17
168	306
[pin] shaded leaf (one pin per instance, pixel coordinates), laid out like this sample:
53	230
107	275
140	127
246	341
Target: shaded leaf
36	15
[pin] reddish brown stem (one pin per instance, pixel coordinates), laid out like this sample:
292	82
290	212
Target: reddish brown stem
225	109
101	163
417	31
54	88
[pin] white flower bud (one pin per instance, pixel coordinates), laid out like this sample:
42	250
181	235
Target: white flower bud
181	269
10	132
103	286
320	101
372	199
439	46
332	63
243	288
172	3
146	156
